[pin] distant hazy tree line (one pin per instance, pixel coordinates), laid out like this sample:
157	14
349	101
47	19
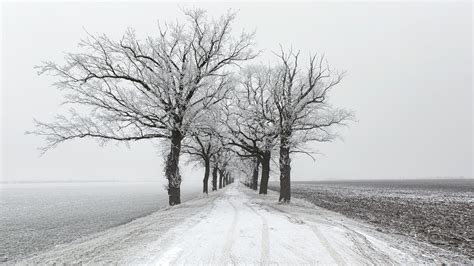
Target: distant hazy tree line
192	86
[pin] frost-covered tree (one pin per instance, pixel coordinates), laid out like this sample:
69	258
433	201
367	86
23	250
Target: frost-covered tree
304	114
244	168
252	121
220	162
153	88
203	145
207	146
224	157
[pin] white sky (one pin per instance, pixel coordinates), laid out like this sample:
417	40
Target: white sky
409	81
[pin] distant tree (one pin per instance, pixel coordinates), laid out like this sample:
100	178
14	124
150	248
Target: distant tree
301	100
133	89
224	158
251	121
244	168
203	145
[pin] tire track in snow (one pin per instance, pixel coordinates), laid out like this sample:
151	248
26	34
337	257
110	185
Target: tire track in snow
363	247
321	238
170	256
265	254
230	238
366	249
298	253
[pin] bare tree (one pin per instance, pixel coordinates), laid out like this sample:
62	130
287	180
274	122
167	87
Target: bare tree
207	147
203	145
301	99
244	167
245	143
252	120
224	158
135	89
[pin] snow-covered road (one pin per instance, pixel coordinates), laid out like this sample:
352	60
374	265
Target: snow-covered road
236	226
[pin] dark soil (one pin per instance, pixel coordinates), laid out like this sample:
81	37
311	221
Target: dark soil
437	214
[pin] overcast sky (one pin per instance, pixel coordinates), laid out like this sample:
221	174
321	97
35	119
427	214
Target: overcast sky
409	81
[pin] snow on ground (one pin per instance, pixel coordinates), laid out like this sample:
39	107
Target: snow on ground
236	226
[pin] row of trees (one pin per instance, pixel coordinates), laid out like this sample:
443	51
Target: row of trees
189	86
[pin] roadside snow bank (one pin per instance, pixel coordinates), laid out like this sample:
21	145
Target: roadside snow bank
128	243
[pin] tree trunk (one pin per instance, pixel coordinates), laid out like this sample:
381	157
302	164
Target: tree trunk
265	172
285	170
254	184
221	177
172	168
205	181
214	177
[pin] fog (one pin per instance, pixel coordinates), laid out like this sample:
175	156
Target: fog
409	82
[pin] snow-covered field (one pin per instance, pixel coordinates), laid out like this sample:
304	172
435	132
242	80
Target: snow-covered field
38	216
436	211
236	226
